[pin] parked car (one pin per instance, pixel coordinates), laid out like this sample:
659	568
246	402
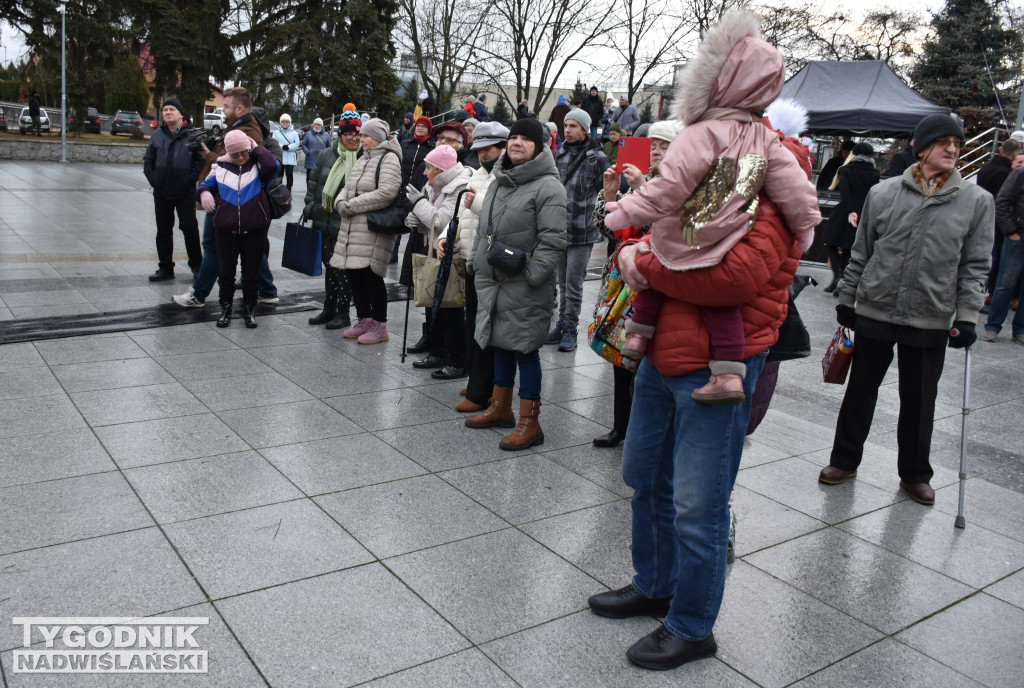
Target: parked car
214	122
25	121
125	121
91	123
149	123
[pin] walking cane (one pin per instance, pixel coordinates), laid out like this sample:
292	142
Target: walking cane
405	327
960	522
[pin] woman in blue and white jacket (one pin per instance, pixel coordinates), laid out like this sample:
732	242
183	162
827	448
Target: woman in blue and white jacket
234	193
289	140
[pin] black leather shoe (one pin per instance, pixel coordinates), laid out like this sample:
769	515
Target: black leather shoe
249	314
662	650
626	602
420	347
831	287
430	361
162	275
340	321
449	373
324	316
612	439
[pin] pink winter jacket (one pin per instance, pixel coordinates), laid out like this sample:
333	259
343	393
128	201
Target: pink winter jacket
705	196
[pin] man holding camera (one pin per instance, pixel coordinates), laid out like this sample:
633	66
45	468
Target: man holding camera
172	169
238	114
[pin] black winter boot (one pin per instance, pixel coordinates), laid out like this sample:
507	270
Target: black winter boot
250	314
225	314
324	316
423	345
340	321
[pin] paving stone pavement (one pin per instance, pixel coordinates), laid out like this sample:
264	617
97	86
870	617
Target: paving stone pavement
322	504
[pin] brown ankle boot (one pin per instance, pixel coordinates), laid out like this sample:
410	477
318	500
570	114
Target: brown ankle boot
528	432
499	413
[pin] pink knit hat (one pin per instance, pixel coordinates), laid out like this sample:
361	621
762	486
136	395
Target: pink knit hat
442	157
236	141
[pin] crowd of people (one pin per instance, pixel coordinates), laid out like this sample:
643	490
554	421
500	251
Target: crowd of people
708	239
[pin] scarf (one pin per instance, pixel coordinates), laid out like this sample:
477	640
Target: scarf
342	166
929	187
489	165
419	140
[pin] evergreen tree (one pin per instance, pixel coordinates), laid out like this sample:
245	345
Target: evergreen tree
579	92
647	114
968	49
126	87
501	112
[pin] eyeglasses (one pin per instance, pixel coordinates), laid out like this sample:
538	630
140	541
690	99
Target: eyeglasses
350	133
239	155
449	139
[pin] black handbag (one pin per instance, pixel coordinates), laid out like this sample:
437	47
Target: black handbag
389	220
509	259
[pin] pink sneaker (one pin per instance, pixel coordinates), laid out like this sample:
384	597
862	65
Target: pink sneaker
375	335
363	325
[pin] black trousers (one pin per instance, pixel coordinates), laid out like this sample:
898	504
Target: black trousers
186	209
288	173
368	293
479	362
250	246
448	335
622	398
838	259
920	369
336	289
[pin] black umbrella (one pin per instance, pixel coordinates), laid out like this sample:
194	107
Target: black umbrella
444	268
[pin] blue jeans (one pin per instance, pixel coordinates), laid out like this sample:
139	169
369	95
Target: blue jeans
1011	263
593	132
505	363
681	459
210	267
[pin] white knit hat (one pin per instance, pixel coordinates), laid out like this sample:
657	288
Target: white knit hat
665	130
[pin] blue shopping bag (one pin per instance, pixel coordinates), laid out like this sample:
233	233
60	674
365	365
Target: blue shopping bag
303	249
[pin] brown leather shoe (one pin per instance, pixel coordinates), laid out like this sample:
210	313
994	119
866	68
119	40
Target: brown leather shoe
462	392
467	406
922	493
499	413
830	475
528	432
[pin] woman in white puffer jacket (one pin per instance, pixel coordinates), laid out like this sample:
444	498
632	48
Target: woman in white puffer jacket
489	140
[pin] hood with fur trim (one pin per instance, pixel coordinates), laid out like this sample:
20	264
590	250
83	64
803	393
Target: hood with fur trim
734	73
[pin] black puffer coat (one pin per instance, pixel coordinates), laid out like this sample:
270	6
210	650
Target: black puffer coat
855	180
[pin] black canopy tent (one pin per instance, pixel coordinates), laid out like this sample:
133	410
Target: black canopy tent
858	97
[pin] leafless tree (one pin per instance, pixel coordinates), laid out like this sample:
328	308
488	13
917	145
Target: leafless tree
442	37
651	37
531	42
701	15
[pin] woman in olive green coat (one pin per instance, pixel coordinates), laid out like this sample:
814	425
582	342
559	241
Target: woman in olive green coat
338	296
525	209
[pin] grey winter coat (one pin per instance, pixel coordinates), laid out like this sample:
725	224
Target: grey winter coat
171	168
526	206
627	118
356	246
920	261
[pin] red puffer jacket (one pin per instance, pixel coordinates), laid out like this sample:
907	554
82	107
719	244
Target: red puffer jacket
755	274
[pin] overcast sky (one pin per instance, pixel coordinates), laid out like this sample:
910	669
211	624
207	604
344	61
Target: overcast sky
14	46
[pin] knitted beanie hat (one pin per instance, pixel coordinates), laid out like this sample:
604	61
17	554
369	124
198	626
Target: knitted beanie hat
935	127
236	141
425	121
376	128
532	129
581	117
175	103
442	157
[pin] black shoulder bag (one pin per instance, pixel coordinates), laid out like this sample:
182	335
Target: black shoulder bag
509	259
389	220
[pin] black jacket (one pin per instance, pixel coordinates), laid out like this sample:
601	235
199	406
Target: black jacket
1010	204
828	172
900	162
413	155
171	168
523	112
33	105
593	106
855	180
994	173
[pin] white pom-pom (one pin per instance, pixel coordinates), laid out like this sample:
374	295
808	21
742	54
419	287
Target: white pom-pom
788	116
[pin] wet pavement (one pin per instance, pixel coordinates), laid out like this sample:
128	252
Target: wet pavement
321	503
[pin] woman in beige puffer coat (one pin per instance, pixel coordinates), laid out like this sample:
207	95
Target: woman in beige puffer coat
361	253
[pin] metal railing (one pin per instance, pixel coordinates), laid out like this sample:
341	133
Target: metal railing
978	149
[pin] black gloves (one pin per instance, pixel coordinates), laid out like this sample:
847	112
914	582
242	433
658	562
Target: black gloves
962	335
284	147
846	317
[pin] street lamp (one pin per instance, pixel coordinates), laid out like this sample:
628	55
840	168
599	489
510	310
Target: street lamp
62	8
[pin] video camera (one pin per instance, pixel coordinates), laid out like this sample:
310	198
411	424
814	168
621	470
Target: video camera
200	137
